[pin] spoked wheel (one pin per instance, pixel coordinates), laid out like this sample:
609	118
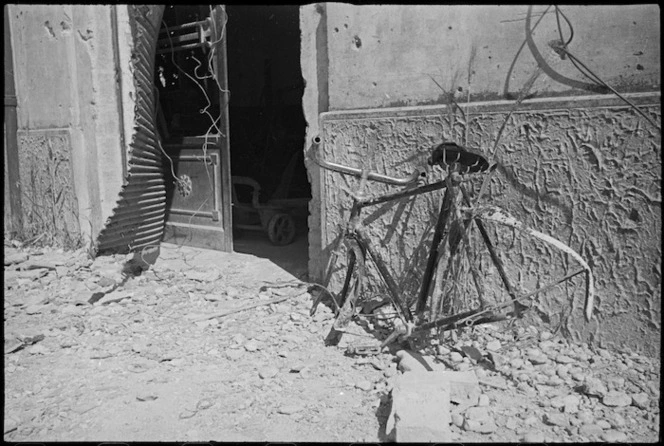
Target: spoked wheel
281	229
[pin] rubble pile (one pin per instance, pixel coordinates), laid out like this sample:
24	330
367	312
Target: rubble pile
192	351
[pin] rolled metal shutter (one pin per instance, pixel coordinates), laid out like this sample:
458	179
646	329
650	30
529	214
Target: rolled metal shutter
138	218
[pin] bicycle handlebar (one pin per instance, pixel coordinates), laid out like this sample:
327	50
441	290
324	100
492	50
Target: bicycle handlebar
360	172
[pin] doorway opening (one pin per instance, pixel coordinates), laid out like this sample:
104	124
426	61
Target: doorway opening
270	189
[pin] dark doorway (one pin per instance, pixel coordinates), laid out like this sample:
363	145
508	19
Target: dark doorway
267	129
270	190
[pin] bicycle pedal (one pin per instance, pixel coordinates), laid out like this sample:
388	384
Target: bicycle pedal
362	350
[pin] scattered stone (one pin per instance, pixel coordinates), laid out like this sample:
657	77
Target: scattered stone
146	397
412	361
614	436
34	309
604	424
594	387
493	345
571	404
38	349
456	357
364	385
268	372
479	420
615	398
290	409
18	257
105	282
641	400
590	430
533	437
483	400
556	419
251	345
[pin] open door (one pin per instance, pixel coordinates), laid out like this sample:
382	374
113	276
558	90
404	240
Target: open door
191	79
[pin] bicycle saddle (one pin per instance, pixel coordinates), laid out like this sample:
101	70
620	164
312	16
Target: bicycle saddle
449	154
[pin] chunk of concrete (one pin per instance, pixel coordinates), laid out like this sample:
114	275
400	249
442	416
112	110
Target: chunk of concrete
420	408
421	404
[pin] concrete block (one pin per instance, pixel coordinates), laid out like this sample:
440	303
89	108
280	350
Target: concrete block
421	404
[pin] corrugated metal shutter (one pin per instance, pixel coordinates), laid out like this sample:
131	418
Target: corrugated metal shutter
138	219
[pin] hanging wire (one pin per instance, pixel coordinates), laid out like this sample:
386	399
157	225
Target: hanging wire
587	72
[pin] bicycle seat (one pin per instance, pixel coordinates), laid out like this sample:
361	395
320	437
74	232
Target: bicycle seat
449	154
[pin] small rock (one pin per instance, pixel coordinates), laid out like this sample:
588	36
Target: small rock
290	409
34	309
251	345
105	282
442	350
590	430
493	345
594	387
614	436
571	404
604	424
533	437
18	257
146	397
556	419
38	349
364	385
483	400
456	357
616	399
457	420
616	420
517	363
234	354
545	335
268	372
531	420
641	400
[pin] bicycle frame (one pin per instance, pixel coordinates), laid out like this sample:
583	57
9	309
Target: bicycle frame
360	245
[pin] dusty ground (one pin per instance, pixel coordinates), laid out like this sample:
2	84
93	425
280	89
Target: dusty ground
146	362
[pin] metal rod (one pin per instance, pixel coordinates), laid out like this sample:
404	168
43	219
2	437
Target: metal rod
403	194
385	273
497	262
433	252
185	26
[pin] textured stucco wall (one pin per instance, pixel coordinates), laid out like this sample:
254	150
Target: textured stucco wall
385	55
66	84
596	188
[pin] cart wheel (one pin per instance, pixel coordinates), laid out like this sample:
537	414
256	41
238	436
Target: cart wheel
281	229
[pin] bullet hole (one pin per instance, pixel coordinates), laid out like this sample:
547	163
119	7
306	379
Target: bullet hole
374	84
357	42
634	216
639	67
449	27
49	28
336	30
346	25
639	53
460	89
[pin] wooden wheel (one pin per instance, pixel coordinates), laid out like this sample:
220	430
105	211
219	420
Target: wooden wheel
281	229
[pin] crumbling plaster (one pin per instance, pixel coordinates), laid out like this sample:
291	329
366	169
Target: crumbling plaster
585	169
66	83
